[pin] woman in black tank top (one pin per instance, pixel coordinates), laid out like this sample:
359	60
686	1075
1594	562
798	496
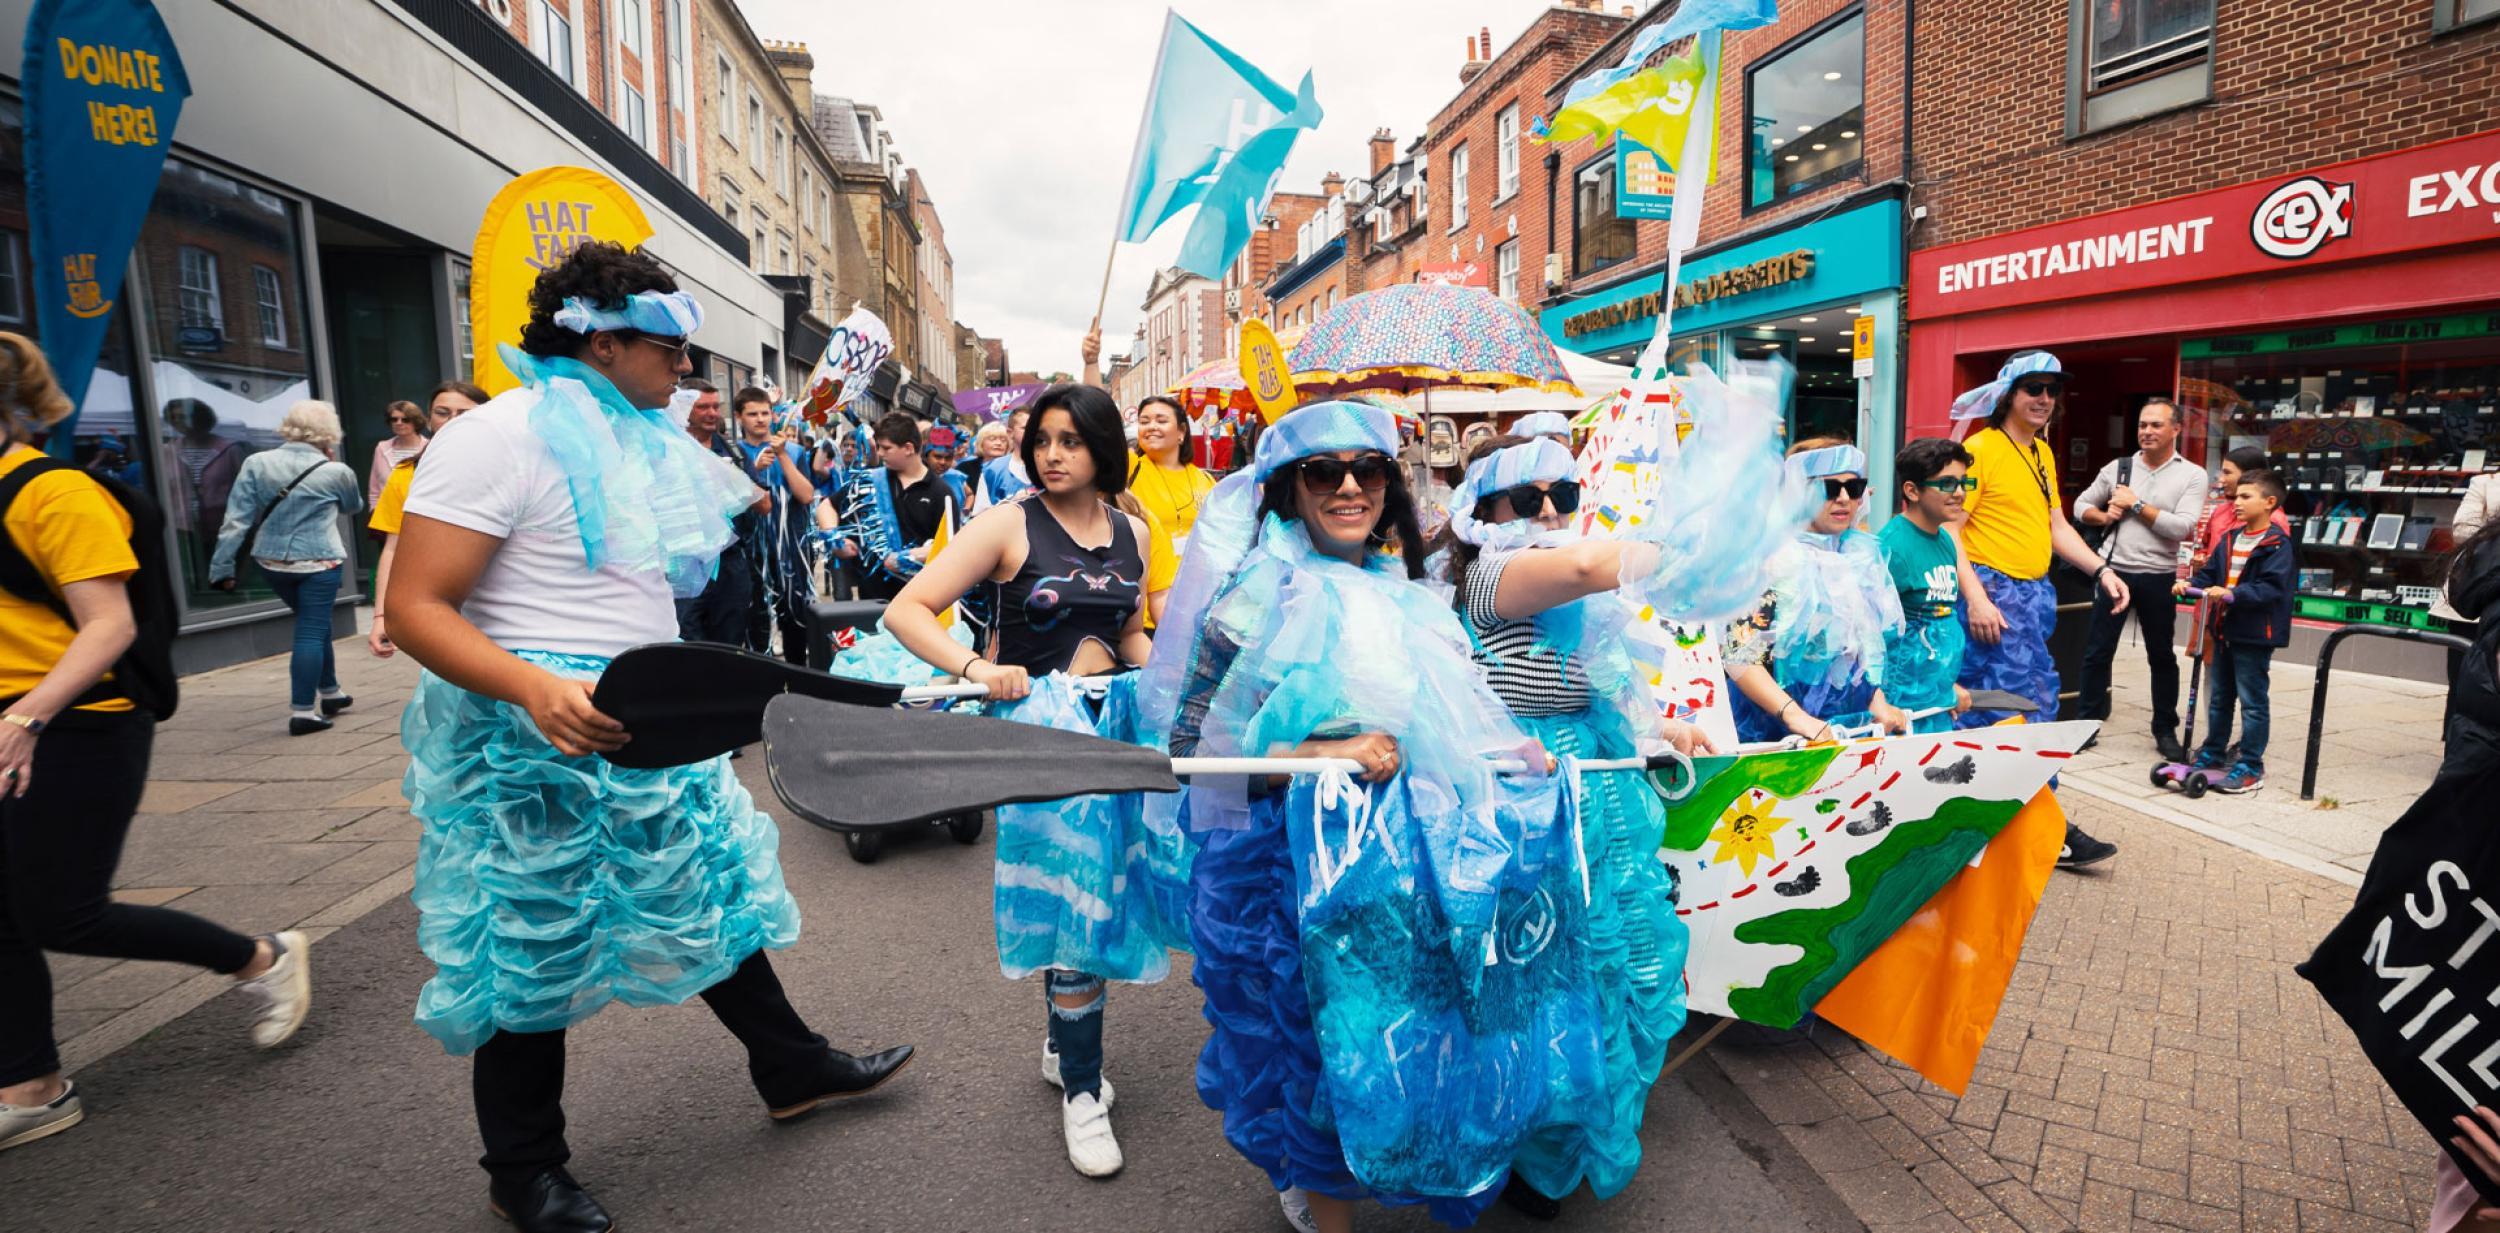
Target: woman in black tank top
1067	570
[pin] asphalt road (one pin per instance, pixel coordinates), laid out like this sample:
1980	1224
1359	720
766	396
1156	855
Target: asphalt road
363	1123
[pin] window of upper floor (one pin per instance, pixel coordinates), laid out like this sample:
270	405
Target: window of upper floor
1805	113
2128	59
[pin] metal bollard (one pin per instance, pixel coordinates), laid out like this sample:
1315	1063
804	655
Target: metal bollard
2317	695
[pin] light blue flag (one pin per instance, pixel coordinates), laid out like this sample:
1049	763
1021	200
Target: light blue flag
1690	18
1215	136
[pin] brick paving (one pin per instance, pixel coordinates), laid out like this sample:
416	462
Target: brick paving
2157	1065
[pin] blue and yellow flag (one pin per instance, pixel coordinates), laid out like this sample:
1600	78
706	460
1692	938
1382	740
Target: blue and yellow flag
1215	135
103	88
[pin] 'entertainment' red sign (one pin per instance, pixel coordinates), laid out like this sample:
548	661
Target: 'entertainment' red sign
2425	197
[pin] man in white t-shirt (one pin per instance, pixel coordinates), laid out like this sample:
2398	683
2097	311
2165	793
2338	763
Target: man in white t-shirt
552	881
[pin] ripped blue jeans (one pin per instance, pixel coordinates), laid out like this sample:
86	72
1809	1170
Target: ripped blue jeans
1075	1035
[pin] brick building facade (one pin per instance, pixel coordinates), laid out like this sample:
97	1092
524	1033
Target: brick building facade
1385	229
1183	327
1271	248
1312	278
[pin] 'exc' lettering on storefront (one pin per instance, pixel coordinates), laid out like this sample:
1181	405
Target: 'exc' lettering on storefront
2464	188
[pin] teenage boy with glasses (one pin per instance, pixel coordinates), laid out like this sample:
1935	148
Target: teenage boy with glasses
1923	658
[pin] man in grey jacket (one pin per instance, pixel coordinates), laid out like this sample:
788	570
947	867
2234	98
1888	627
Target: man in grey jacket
2149	502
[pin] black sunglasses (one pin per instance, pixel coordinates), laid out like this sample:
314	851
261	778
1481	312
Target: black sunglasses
1833	488
1321	476
1528	500
2035	389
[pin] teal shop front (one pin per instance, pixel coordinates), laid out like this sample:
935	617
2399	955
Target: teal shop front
1795	292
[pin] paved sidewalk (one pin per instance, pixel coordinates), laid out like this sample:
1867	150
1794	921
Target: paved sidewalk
254	829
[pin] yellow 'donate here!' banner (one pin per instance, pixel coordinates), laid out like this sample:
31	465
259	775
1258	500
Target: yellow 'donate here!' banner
529	227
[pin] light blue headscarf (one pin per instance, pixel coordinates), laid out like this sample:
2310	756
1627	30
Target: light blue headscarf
1830	460
668	314
1980	403
1543	424
1542	460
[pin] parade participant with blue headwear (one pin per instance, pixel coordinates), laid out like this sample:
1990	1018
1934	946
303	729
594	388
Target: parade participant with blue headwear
1924	656
549	530
2014	523
1553	616
1066	572
1813	651
1370	1038
1553	424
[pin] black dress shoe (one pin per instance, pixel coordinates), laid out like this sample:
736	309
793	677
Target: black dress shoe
304	725
844	1075
551	1202
332	706
2167	744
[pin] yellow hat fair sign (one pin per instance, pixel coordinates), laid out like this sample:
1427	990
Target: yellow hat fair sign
529	228
1263	370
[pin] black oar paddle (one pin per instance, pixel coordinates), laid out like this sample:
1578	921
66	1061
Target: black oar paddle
683	702
847	768
2002	700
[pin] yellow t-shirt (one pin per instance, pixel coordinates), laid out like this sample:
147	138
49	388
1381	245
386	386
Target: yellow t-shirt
1171	495
393	502
2008	530
73	531
1162	563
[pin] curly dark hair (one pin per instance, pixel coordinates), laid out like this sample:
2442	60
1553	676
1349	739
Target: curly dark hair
601	272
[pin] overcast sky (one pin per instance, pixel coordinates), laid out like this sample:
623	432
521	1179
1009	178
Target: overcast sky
1020	115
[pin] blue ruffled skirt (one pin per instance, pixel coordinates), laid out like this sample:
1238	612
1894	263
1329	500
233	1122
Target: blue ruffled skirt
2018	663
1261	1067
1636	956
1920	665
548	886
1839	705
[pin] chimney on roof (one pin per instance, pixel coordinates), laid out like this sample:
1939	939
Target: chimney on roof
1477	55
1331	184
795	65
1384	151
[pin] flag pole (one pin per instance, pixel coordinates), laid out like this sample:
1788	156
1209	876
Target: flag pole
1692	182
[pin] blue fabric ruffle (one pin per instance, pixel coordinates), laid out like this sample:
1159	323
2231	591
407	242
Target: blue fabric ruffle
548	886
1261	1067
879	657
1836	608
2018	663
1636	948
1920	664
1095	884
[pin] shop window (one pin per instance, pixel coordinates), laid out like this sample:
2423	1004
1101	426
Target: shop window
2375	429
1506	155
1458	190
1506	271
1598	238
1805	108
2449	14
219	397
269	305
13	309
554	36
2128	59
202	308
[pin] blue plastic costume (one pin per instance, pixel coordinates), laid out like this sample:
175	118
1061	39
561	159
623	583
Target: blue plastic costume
548	886
1396	976
1822	629
1636	944
1922	659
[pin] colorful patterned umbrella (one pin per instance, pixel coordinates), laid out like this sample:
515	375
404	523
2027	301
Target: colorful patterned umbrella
1419	336
1218	382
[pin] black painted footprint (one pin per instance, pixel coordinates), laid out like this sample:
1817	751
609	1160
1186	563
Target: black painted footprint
1962	771
1876	819
1803	884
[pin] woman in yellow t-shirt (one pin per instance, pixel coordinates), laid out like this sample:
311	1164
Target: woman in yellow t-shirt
73	761
1160	473
450	399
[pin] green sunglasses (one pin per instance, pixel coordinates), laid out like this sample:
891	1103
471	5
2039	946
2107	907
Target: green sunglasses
1950	484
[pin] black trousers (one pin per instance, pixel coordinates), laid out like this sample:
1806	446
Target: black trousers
2150	603
517	1078
59	845
719	614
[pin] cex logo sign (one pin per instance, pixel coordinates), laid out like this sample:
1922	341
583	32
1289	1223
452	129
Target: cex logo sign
2298	218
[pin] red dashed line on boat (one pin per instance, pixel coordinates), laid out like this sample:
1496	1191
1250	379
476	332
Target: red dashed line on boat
1889	780
1775	870
1833	827
1747	891
1932	752
1707	906
1969	745
2009	749
2053	753
1862	799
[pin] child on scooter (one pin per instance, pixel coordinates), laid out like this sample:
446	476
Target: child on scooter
2250	571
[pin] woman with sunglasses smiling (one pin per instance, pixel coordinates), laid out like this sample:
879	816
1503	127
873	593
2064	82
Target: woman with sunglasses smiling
1297	627
1813	652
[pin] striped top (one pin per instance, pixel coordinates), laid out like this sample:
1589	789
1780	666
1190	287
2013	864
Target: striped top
1530	680
2241	547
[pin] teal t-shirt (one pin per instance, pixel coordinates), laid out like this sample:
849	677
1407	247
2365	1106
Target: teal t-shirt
1922	569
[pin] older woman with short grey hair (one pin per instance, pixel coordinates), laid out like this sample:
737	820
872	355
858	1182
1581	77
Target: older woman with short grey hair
286	503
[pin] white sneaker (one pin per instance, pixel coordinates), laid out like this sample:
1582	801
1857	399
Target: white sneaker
1297	1205
284	991
1050	1075
1087	1126
23	1124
